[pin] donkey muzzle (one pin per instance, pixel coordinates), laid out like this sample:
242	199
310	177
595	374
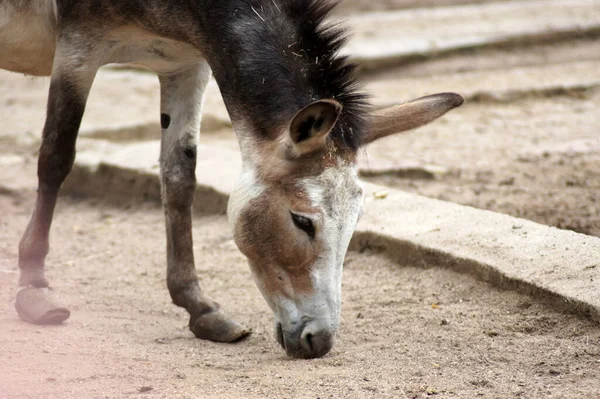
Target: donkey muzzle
310	340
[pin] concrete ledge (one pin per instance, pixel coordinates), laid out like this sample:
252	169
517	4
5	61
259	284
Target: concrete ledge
372	63
559	267
123	105
130	174
577	90
492	86
383	39
149	130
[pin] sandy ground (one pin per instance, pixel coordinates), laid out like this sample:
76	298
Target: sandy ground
125	338
535	158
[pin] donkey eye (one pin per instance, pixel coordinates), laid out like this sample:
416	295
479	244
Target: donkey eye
304	224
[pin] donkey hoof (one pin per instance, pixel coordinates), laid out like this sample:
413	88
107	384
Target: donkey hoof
217	326
35	305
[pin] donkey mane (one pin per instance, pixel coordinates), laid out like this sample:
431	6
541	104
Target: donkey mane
287	56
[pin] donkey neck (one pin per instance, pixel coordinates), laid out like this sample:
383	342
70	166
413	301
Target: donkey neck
252	61
261	63
271	58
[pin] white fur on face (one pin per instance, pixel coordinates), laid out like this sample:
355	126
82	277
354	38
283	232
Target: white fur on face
335	201
246	188
338	195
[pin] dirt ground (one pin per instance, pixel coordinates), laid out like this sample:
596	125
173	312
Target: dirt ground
125	338
406	332
537	159
536	156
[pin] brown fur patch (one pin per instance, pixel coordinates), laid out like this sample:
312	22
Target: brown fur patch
280	255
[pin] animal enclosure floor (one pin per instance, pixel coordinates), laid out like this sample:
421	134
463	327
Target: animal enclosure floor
537	159
405	332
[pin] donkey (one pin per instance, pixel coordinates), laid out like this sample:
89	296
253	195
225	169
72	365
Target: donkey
297	112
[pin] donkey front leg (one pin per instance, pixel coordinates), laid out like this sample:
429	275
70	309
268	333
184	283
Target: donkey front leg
181	107
72	77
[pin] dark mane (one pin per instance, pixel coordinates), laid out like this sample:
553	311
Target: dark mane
283	55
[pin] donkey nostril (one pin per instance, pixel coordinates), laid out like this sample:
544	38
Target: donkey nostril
309	343
315	341
280	335
308	340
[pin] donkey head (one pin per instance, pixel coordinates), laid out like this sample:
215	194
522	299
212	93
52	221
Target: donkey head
295	208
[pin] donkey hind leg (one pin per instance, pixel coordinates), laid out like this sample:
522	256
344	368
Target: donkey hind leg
71	80
181	107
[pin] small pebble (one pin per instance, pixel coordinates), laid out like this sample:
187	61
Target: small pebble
380	194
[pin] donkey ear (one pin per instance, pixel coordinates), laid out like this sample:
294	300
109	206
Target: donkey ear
410	115
311	126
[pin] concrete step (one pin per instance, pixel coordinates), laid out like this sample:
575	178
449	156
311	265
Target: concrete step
130	173
556	266
559	267
356	6
482	137
123	105
383	39
496	58
491	85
